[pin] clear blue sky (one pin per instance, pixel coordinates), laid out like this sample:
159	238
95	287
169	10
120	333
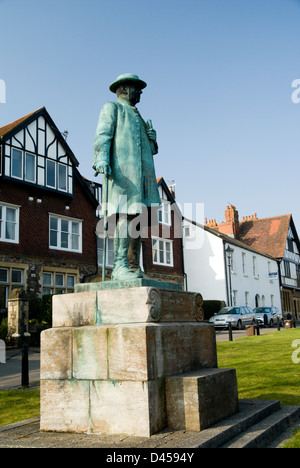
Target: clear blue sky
219	76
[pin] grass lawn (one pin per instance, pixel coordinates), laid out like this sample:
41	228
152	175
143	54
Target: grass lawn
264	367
18	405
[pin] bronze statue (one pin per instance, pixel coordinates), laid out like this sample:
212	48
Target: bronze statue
123	151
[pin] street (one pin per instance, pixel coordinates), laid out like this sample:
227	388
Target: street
10	372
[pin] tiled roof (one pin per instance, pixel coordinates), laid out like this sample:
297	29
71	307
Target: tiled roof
7	128
268	235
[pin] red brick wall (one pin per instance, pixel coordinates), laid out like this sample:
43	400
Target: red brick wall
173	233
34	221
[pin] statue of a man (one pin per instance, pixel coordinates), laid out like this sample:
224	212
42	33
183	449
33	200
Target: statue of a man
123	151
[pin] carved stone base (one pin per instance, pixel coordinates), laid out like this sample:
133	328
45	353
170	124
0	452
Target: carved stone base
133	305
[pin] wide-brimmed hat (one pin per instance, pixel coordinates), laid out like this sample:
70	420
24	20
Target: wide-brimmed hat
127	78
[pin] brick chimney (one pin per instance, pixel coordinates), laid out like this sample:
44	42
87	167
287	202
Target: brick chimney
231	225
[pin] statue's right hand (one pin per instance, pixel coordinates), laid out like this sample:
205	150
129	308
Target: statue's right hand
103	169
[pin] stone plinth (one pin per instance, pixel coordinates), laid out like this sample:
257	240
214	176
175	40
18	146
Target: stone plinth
197	400
106	363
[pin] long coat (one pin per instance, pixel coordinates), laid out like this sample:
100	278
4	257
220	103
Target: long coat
122	142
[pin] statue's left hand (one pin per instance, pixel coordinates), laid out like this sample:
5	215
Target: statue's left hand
151	134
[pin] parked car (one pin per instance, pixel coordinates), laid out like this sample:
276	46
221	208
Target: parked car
237	316
268	316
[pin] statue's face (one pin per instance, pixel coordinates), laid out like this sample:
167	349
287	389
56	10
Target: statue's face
134	95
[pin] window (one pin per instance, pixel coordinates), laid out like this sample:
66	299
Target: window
162	252
30	167
254	266
17	164
9	224
244	263
65	234
17	276
164	213
234	297
246	298
62	177
10	277
109	252
23	166
58	283
287	269
51	174
3	275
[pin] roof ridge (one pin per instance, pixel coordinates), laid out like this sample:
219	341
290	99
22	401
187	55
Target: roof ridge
269	217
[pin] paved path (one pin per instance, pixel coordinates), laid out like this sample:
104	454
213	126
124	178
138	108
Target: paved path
10	372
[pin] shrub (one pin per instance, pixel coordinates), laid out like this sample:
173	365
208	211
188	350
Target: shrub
3	329
212	307
40	310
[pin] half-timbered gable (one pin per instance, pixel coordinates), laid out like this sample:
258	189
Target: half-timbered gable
35	152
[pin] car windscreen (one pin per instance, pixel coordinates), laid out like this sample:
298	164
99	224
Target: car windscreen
262	310
228	311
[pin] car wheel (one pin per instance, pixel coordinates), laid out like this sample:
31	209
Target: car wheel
239	325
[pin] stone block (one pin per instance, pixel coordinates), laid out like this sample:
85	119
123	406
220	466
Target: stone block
197	400
64	406
73	310
127	407
90	353
151	351
56	352
133	305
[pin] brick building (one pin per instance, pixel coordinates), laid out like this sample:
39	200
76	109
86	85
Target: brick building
47	211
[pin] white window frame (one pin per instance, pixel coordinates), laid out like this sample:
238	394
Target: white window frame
164	250
70	233
165	213
3	222
109	249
